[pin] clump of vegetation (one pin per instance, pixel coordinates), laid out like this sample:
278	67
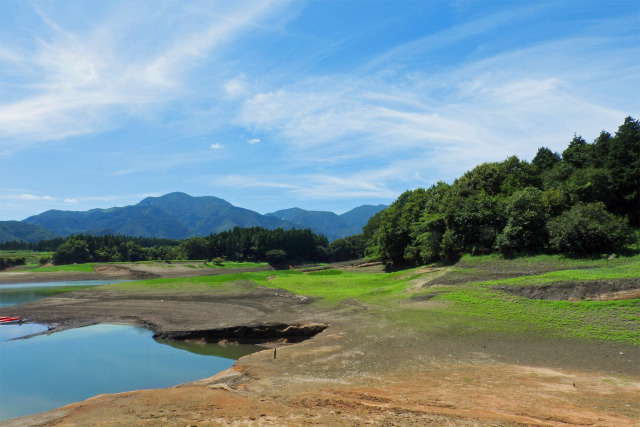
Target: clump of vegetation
218	260
588	228
11	261
583	201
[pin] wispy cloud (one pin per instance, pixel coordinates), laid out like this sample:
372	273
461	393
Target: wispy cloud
79	82
309	186
253	141
26	196
484	110
246	181
237	86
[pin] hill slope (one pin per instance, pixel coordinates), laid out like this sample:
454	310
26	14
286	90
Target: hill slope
20	231
328	223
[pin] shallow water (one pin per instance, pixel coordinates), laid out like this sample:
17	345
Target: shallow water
21	293
49	371
52	370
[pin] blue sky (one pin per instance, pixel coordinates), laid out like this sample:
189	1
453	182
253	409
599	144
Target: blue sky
323	105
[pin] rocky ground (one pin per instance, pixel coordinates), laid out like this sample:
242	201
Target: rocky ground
359	370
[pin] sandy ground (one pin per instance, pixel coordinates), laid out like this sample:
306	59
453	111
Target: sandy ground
361	370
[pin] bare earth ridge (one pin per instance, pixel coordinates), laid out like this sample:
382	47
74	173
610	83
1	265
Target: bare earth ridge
360	370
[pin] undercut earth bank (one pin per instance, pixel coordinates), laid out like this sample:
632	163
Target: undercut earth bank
595	290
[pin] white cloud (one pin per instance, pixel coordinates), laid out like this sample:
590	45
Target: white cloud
309	187
71	201
216	146
450	120
327	187
81	81
237	86
33	197
253	141
243	181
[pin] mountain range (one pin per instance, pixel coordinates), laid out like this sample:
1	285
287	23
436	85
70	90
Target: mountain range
179	216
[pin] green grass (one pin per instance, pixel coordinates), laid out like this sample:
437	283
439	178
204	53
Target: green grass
555	261
620	271
460	308
594	320
605	321
71	267
26	254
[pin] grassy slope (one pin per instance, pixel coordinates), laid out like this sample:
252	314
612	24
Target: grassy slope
462	301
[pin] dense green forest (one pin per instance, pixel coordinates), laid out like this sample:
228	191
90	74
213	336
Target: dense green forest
239	244
582	201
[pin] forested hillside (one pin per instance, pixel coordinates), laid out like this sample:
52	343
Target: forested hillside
20	231
582	201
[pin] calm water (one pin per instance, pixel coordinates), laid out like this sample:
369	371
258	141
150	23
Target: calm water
27	292
48	371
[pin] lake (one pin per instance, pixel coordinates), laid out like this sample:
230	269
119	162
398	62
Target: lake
48	371
27	292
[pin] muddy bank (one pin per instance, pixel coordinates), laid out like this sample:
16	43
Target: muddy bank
598	290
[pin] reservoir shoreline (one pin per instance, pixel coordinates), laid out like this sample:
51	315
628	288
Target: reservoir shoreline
361	367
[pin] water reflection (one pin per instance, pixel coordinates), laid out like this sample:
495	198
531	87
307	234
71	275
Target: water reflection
228	351
9	332
26	292
49	371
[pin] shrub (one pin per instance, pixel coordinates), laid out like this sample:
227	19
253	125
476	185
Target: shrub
588	228
526	228
276	256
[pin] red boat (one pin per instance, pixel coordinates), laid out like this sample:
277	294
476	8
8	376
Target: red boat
5	319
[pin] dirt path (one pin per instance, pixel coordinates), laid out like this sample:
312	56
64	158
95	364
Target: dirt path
361	370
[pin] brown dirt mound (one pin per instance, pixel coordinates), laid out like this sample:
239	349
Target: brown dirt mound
599	290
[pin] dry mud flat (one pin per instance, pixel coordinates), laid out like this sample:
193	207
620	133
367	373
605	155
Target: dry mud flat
360	370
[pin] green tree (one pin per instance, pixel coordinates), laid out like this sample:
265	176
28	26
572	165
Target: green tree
526	229
74	250
276	256
545	159
623	162
477	220
591	185
588	228
348	248
578	153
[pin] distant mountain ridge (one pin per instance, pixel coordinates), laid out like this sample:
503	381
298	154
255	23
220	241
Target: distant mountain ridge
179	215
16	230
333	226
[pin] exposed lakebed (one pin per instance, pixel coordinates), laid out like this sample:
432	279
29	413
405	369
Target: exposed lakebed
51	370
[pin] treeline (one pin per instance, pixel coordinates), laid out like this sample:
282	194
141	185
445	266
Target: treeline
582	201
48	245
239	244
256	243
